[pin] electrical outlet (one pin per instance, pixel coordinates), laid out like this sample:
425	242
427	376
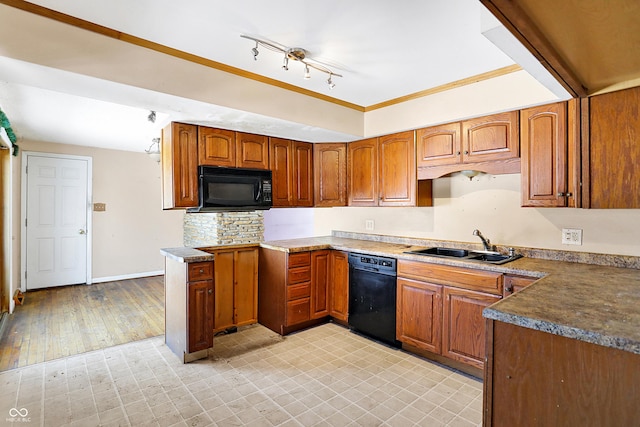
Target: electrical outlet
369	225
571	236
99	207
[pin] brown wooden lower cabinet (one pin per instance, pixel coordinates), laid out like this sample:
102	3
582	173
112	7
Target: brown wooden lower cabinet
533	378
189	305
236	290
297	290
463	325
439	310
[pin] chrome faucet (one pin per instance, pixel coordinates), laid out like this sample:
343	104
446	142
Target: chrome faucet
485	242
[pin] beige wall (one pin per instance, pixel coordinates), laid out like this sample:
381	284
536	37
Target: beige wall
127	237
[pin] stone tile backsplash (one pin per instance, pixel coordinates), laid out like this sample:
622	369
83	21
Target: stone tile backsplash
222	228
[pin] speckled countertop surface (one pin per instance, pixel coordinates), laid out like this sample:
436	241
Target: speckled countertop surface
595	303
184	254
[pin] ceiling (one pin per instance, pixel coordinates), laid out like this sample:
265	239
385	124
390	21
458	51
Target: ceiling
384	50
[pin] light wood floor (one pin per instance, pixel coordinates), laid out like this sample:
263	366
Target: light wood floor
64	321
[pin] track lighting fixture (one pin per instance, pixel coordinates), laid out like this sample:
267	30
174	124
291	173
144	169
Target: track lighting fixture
296	54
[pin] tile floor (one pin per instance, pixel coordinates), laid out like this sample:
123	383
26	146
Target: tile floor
325	376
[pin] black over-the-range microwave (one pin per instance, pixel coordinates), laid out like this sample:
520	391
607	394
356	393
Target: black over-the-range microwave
233	189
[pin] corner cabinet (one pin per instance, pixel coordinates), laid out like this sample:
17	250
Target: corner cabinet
294	289
550	141
179	166
189	305
382	172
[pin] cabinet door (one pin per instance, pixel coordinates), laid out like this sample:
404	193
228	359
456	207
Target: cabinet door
224	284
319	284
216	147
252	151
419	314
362	172
613	177
439	145
246	286
339	285
200	315
302	174
464	327
179	166
281	165
490	138
544	155
397	169
330	174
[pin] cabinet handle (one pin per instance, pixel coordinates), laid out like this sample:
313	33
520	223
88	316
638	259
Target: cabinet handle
565	194
466	152
509	289
210	291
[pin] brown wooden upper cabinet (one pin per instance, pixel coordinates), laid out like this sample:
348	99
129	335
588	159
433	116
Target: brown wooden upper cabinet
613	177
179	166
291	163
220	147
550	140
489	144
330	170
382	172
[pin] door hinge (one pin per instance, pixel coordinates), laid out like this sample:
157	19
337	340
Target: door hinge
25	275
25	222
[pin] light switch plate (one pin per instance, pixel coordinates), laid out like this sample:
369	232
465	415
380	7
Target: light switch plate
369	225
571	236
99	207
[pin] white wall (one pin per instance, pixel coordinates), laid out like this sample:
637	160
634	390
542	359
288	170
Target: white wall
127	237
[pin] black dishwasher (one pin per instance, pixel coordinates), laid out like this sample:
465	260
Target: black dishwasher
372	297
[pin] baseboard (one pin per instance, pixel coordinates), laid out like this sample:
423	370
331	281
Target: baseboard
127	276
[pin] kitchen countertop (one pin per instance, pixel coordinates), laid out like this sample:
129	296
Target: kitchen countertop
588	302
184	254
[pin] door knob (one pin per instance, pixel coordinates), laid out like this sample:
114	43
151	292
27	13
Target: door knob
81	231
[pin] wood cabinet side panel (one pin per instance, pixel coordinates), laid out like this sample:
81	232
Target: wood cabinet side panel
615	150
574	382
175	306
272	280
180	166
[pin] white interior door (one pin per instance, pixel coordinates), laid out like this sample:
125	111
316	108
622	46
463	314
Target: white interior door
56	221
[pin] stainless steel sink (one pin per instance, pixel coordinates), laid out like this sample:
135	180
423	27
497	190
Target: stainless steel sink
446	252
463	254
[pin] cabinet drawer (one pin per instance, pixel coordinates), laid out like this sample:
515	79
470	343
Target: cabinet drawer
299	274
486	281
200	271
301	290
513	284
298	311
299	259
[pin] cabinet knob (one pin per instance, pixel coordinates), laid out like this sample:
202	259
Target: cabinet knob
210	291
458	153
201	270
466	152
